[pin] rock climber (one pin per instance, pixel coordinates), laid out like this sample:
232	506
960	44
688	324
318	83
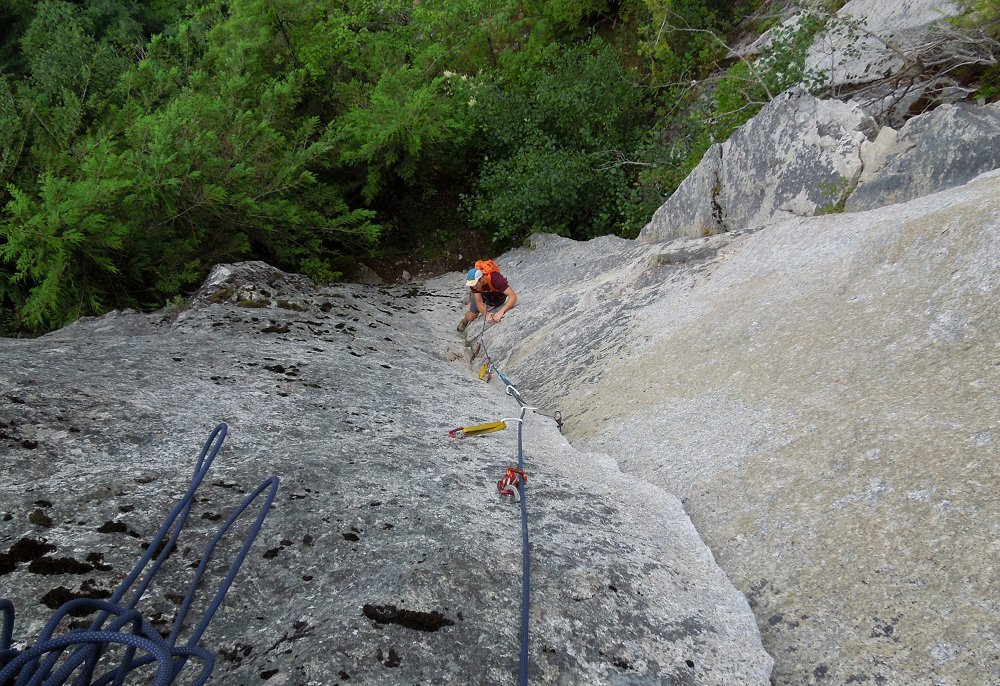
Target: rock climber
489	294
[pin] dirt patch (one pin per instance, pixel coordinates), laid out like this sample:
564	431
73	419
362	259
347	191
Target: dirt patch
400	267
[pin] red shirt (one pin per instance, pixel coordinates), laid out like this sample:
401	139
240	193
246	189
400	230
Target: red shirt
496	284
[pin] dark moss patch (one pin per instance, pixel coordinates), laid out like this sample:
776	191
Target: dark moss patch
43	503
286	305
39	518
90	588
621	663
410	619
160	547
58	597
28	549
236	653
97	559
253	303
390	659
58	565
112	528
220	296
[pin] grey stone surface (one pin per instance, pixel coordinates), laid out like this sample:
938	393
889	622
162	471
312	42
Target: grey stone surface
347	393
824	396
938	150
798	157
876	39
693	209
802	156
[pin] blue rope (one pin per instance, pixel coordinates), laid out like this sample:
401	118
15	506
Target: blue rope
525	548
34	666
525	557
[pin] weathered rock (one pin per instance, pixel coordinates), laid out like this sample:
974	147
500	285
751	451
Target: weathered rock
941	149
693	209
824	395
389	558
367	275
871	55
797	157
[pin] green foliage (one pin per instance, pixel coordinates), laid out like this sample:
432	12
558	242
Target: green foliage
708	112
555	147
982	18
407	122
141	142
683	38
63	243
191	163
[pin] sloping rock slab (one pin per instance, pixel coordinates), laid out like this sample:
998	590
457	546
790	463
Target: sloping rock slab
824	395
941	149
389	557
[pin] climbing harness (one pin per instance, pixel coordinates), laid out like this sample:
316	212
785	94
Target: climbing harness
77	654
465	431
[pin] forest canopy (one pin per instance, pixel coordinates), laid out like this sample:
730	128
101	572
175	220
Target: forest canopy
143	142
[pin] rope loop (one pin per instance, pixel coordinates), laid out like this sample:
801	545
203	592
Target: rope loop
76	655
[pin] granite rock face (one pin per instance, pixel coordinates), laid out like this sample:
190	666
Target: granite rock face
693	210
937	150
799	156
389	557
824	396
872	56
802	156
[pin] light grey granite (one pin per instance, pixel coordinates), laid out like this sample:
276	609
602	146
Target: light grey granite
824	396
348	393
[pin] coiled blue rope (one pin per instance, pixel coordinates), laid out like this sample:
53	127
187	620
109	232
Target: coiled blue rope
36	666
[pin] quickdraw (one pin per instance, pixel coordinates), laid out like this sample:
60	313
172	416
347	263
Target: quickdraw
463	431
557	416
511	480
486	372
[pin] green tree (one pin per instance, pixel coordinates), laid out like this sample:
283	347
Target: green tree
556	145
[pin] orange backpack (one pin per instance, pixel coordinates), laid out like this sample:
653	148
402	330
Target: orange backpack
487	266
